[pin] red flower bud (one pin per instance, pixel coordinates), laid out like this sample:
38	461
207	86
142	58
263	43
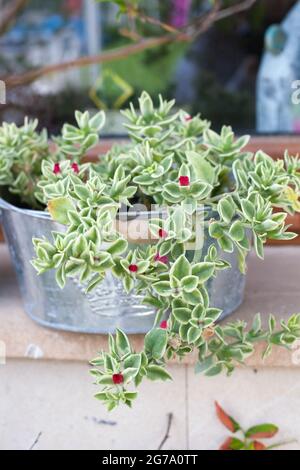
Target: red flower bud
184	181
56	168
188	117
164	325
162	233
118	379
133	268
162	259
75	167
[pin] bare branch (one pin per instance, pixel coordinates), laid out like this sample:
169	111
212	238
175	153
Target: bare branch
108	56
10	13
188	33
135	13
130	34
203	23
235	9
36	441
167	434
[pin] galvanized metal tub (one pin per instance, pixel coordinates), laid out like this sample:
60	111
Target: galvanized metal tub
106	308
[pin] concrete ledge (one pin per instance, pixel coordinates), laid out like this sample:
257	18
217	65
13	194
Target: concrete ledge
272	287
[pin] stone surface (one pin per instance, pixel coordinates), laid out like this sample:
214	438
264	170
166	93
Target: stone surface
53	401
252	397
56	400
272	287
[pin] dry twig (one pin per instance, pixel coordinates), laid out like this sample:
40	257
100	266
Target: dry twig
35	441
10	13
167	435
188	33
108	56
235	9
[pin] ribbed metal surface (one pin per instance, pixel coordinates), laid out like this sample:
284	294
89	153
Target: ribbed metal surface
105	308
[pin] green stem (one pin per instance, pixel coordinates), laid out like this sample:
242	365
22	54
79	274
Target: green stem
216	198
279	444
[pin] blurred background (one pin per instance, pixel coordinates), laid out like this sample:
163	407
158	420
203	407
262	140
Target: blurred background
239	71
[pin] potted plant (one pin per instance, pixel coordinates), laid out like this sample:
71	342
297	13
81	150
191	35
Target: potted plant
211	199
34	172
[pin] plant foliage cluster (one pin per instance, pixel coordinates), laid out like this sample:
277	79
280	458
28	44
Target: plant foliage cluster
190	172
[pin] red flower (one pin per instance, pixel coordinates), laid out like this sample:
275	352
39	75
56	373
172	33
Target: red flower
56	168
75	167
133	268
184	181
162	233
118	379
164	325
162	259
188	118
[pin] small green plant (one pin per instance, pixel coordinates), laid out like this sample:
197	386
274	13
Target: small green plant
23	152
249	439
213	197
